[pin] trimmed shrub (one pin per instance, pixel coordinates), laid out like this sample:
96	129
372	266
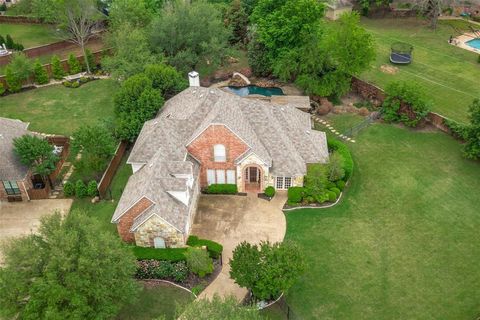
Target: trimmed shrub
73	64
75	84
167	254
337	191
331	196
341	185
295	194
13	82
68	189
9	42
90	59
222	189
269	191
214	248
2	89
39	72
92	188
80	189
342	149
57	70
199	261
167	270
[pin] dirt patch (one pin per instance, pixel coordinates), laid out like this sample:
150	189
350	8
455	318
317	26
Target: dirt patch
385	68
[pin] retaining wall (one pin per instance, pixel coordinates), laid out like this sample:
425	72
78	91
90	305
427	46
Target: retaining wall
20	20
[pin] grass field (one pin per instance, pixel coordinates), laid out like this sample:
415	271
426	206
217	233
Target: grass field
403	242
60	110
29	35
450	75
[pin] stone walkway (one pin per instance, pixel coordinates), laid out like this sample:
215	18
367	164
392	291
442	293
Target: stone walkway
331	128
230	220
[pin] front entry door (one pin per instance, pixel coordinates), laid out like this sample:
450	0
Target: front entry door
253	174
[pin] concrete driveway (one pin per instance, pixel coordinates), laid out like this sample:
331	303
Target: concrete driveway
230	220
21	218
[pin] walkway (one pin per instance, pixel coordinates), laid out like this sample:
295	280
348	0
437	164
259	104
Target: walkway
230	220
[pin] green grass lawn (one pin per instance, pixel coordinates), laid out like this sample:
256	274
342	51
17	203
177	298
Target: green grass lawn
403	242
450	75
60	110
29	35
156	302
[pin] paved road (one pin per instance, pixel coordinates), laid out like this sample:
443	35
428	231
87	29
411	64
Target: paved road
230	220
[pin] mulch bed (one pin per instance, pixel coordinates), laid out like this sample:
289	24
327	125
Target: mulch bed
264	197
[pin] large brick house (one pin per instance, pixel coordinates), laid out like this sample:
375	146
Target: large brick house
206	136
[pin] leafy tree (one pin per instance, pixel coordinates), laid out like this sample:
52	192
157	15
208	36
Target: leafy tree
316	179
266	269
165	78
2	89
187	33
248	6
90	59
136	102
36	153
39	72
471	149
131	52
133	12
73	64
335	167
219	309
431	9
96	144
57	70
18	71
367	4
9	43
237	20
199	261
71	269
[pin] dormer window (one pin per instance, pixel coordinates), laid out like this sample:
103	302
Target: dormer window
219	153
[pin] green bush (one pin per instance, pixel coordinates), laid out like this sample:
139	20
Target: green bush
342	149
73	64
90	59
295	194
9	42
13	82
340	185
92	188
214	248
222	189
167	254
80	189
67	84
457	129
269	191
331	196
68	189
2	89
167	270
39	72
75	84
337	191
199	261
57	70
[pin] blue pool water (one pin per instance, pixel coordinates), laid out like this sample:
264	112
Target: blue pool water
475	43
245	91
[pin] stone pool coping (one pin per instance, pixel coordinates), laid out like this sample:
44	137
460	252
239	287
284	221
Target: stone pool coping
461	42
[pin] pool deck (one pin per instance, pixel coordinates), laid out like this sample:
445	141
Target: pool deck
461	42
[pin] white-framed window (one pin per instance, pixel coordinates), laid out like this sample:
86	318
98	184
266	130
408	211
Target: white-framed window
231	177
211	176
219	153
282	183
159	242
220	176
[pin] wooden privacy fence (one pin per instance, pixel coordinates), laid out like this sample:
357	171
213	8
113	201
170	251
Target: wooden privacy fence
112	168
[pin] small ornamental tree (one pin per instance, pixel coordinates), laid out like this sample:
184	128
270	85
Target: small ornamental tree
335	167
73	64
471	149
39	72
267	269
70	269
57	69
9	43
18	71
90	59
165	78
199	261
36	153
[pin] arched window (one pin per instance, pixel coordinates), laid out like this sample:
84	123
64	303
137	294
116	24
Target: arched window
219	153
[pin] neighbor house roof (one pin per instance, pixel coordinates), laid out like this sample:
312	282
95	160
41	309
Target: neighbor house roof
10	166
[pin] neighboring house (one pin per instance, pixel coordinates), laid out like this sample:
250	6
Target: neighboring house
14	176
208	136
335	8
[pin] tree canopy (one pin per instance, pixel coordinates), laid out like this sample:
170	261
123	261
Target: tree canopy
471	149
36	153
71	269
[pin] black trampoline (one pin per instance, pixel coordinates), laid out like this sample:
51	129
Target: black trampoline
401	53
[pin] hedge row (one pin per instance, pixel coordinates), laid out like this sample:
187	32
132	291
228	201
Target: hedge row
167	254
343	150
222	189
214	249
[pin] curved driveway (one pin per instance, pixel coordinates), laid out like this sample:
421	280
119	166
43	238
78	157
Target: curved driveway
230	220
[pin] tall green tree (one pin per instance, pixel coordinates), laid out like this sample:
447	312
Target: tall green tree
134	12
36	153
267	269
166	79
18	71
471	149
71	269
189	32
57	69
39	72
237	20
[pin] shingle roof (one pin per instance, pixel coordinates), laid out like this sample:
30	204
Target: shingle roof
10	166
279	135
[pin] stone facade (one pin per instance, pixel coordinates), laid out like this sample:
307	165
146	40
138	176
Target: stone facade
202	150
157	227
125	223
252	160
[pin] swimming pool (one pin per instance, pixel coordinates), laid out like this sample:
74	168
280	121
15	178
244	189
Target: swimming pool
475	43
245	91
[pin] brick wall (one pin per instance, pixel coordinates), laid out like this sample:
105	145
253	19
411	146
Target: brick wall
126	221
368	91
202	149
